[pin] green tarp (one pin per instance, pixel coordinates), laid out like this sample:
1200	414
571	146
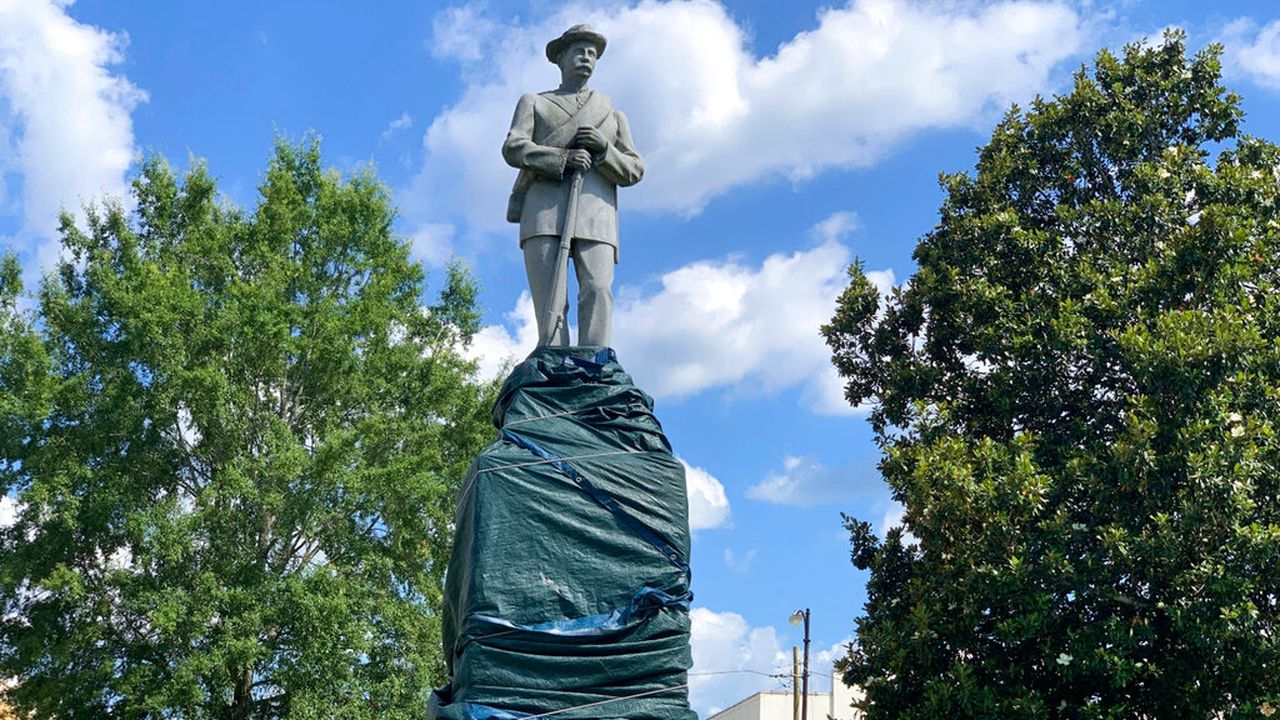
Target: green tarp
568	588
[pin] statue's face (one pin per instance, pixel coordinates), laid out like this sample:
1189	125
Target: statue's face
578	60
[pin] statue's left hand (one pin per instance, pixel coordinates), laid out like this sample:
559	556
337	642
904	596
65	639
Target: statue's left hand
589	138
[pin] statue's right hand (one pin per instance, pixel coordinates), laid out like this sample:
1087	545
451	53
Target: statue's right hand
579	160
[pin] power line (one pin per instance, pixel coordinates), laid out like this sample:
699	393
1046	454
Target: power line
742	670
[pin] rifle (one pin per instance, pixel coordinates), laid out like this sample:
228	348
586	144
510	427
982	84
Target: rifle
557	308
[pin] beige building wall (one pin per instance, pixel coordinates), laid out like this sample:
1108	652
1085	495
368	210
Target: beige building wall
842	697
749	708
777	705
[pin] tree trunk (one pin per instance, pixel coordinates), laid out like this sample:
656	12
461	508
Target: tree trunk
242	701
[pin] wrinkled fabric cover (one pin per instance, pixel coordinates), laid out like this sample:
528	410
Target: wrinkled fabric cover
569	584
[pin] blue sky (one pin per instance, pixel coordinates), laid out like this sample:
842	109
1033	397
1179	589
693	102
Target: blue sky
781	140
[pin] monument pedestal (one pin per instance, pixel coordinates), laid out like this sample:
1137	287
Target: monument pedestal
568	586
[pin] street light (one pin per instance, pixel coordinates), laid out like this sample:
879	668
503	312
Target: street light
797	617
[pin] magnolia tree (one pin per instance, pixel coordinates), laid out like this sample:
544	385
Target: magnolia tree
234	441
1078	397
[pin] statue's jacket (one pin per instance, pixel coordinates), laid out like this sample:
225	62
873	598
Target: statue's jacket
543	127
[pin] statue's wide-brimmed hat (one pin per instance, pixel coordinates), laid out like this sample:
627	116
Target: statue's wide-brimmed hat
577	33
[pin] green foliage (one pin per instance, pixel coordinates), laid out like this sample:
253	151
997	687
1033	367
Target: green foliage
1078	398
236	439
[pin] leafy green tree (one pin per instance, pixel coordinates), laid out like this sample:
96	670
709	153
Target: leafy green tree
1077	396
236	440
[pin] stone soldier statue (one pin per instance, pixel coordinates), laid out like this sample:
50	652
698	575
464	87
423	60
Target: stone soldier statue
573	150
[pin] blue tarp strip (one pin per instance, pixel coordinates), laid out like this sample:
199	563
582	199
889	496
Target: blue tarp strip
596	364
601	497
642	604
476	711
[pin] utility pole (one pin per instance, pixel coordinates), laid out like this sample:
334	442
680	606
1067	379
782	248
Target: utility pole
795	683
804	699
798	617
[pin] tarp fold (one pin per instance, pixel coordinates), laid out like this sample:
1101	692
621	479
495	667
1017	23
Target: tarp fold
568	588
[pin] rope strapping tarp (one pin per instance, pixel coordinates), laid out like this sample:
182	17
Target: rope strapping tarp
601	497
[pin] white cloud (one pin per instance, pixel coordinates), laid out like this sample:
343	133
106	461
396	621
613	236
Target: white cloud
1254	51
498	347
432	243
836	226
459	33
187	431
709	114
723	324
739	563
804	481
9	511
69	127
824	659
708	504
731	659
895	516
120	559
403	122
